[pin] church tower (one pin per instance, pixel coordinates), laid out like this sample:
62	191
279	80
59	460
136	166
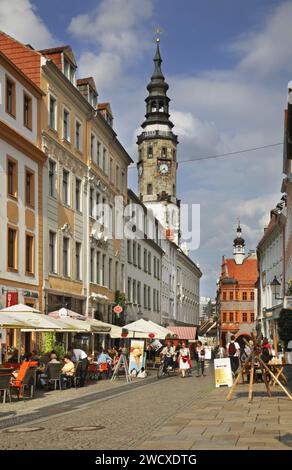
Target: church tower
157	162
238	244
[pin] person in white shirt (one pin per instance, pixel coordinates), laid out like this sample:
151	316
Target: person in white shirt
80	357
233	351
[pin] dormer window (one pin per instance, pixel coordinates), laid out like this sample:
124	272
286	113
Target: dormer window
69	70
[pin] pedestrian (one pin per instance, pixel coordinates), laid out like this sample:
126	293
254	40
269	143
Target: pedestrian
184	359
80	357
233	351
200	359
221	352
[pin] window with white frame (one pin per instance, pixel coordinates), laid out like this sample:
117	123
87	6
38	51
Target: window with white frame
98	154
78	135
78	193
92	148
66	198
66	124
52	112
52	252
78	261
66	243
52	178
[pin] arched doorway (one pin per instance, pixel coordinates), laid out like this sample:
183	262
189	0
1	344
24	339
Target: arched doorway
240	339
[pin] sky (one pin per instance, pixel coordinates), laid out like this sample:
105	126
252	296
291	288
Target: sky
227	63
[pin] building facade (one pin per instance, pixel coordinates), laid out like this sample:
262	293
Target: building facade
237	292
188	290
21	190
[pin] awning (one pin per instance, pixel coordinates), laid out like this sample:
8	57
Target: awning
143	328
188	333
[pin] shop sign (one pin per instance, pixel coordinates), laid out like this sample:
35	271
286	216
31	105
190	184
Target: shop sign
11	298
31	294
223	373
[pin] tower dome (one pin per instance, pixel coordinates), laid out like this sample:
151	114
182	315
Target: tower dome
239	244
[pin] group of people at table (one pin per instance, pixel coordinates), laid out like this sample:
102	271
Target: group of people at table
75	358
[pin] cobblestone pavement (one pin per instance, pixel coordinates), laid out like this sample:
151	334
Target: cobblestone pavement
127	418
215	423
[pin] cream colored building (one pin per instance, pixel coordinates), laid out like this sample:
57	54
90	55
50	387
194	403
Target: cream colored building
21	189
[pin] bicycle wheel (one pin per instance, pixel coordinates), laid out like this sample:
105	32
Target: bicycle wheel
160	372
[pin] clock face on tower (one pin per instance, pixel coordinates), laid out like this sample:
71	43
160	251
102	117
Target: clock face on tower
163	168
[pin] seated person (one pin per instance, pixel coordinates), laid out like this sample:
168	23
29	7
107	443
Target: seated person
68	369
34	356
44	376
14	356
142	374
104	358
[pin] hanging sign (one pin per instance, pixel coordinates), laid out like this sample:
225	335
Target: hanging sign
151	335
11	298
118	309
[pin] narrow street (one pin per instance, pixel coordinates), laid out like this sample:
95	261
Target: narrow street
128	414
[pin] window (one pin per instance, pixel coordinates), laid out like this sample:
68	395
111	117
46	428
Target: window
224	316
78	135
52	112
154	300
134	253
10	97
103	281
150	151
98	154
52	252
224	296
129	290
98	267
244	296
66	125
117	278
12	177
154	266
164	152
91	265
122	180
231	317
12	250
123	278
66	187
52	178
252	317
129	251
149	263
104	160
145	296
139	293
111	170
29	258
252	295
92	147
149	189
134	292
236	295
244	317
27	111
91	202
145	260
78	194
230	295
29	188
78	260
110	273
158	269
117	176
149	298
139	256
173	154
66	256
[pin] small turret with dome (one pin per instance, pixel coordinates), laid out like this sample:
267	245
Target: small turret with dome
239	244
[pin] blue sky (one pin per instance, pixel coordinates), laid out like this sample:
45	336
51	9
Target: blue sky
227	63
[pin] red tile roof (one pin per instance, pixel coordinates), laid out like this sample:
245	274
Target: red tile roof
184	332
247	271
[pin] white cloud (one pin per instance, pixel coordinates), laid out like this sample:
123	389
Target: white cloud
106	69
115	25
19	19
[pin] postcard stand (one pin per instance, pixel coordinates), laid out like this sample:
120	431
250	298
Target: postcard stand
121	362
253	359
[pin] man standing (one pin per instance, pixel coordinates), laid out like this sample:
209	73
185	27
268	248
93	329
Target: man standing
80	357
233	351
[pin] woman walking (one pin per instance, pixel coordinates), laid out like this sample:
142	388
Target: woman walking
200	358
184	359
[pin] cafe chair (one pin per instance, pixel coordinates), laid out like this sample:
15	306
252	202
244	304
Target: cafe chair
5	386
26	379
54	371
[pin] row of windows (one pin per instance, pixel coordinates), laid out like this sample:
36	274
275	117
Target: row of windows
237	317
12	182
105	272
236	295
13	251
10	103
66	124
66	184
135	295
66	261
164	152
134	252
99	156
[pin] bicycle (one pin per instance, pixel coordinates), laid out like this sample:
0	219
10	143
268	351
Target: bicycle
165	369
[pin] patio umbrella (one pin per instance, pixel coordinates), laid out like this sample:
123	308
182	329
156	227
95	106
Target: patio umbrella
142	329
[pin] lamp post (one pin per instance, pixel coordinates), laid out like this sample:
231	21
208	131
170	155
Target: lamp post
275	287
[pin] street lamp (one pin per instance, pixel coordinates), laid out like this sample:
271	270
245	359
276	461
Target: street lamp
275	285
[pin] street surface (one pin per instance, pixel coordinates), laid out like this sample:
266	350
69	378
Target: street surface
171	413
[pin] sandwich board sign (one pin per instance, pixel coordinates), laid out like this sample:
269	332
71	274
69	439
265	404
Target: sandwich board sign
223	373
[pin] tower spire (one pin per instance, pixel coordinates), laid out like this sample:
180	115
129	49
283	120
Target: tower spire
238	245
